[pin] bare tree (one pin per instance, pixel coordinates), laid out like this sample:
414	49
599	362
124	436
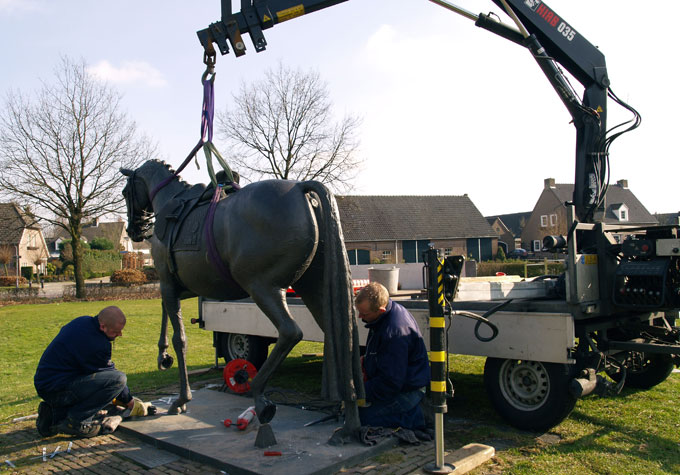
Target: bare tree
283	127
61	150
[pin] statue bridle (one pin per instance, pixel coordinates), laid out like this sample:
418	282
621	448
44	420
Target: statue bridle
140	219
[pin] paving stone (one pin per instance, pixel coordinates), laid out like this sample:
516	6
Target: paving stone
20	441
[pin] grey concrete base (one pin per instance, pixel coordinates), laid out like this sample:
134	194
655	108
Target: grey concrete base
460	461
469	456
200	435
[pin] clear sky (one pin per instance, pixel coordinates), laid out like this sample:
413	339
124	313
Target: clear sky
447	107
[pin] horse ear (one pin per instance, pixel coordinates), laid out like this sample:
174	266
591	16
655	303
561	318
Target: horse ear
126	171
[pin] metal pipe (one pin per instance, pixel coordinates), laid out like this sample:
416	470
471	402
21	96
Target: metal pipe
17	257
512	15
456	9
572	249
439	440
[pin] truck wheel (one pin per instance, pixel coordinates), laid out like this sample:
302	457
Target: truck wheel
646	370
530	395
234	346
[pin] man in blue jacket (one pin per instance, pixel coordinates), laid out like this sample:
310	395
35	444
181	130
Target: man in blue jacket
396	368
76	377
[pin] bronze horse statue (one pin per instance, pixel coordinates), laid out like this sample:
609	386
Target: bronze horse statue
268	236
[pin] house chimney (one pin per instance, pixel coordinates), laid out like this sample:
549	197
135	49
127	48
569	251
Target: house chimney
549	183
623	184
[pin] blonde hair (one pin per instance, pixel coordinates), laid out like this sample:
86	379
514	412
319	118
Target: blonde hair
375	294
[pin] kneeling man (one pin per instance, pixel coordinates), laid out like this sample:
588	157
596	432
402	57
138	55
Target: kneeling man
76	377
396	367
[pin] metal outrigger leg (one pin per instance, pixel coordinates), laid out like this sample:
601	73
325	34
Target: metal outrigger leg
438	356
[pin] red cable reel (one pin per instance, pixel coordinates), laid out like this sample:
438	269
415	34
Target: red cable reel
238	374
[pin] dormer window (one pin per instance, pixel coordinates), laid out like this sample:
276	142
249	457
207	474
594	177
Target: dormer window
621	212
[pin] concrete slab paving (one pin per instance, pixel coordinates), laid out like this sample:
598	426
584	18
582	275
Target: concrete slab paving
200	435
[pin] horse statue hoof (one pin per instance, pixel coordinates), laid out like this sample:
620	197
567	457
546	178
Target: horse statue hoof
177	408
266	413
165	362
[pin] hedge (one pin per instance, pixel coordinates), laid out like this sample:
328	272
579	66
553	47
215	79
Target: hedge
100	263
151	274
128	276
517	267
8	281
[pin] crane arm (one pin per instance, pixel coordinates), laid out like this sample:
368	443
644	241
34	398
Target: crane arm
255	16
552	41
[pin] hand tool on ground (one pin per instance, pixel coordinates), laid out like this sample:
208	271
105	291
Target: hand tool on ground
243	419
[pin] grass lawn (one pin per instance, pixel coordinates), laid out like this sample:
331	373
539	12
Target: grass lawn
632	433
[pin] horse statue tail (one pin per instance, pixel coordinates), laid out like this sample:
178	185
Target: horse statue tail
342	376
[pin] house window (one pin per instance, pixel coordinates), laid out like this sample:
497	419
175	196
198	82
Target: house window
544	221
553	220
358	257
623	215
387	255
536	245
448	251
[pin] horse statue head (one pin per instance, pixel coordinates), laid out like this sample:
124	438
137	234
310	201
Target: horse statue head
139	210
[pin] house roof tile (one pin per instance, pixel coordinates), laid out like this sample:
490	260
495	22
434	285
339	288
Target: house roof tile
13	221
667	218
514	221
112	231
381	218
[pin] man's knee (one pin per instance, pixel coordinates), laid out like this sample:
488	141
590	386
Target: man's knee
118	379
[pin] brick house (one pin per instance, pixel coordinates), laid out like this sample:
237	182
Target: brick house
549	216
395	229
509	228
113	231
21	233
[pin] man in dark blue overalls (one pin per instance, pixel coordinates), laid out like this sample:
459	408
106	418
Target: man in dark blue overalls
396	368
76	377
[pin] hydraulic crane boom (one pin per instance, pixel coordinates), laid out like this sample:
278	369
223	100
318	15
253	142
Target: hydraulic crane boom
254	17
550	39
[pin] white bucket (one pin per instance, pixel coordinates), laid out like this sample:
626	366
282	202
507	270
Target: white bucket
387	277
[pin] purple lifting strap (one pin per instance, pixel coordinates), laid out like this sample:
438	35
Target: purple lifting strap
210	238
207	116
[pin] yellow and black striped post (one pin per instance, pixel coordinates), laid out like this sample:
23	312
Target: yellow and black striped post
438	357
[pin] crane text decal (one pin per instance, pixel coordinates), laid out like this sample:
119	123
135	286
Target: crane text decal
551	17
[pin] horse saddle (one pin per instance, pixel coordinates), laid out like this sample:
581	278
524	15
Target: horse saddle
179	223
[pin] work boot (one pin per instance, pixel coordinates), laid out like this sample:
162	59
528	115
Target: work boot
84	430
44	421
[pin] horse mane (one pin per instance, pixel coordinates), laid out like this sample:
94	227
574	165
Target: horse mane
171	170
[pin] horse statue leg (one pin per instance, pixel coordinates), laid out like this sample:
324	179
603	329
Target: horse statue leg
172	307
272	302
165	360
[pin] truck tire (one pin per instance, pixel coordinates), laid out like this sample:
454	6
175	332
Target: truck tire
530	395
232	346
647	371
